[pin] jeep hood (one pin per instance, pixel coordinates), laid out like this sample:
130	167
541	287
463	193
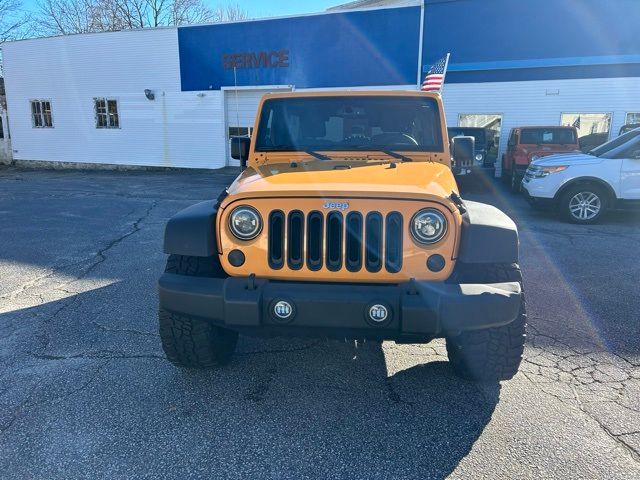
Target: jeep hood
567	159
327	179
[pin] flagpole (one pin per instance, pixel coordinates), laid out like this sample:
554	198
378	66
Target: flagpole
444	74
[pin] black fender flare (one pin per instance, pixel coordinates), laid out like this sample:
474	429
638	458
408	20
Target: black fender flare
192	231
488	235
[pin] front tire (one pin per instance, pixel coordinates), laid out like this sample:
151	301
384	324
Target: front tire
491	354
514	181
192	342
584	204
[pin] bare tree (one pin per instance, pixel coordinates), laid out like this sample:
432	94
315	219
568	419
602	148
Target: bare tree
229	13
62	17
13	21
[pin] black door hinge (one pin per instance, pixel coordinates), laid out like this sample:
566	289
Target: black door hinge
455	198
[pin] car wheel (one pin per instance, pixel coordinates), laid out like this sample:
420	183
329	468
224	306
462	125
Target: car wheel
490	354
584	204
514	182
193	342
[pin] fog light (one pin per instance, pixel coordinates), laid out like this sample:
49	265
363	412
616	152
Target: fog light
236	258
435	262
378	314
282	310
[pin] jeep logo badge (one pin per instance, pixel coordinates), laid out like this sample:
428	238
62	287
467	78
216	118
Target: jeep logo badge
336	205
283	310
378	313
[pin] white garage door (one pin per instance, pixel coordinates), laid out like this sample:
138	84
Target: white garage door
241	107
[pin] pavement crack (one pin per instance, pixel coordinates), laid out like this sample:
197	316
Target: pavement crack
95	259
98	354
101	255
131	331
27	402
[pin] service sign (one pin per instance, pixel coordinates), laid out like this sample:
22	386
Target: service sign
346	49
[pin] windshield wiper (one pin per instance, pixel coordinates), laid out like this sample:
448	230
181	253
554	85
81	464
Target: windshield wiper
397	155
317	155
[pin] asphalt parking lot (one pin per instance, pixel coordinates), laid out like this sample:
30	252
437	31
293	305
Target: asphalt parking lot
85	390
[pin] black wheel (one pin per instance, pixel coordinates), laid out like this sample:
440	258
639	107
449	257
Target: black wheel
492	354
584	203
505	176
514	180
191	342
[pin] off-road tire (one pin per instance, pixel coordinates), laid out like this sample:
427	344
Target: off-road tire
491	354
192	342
565	201
195	266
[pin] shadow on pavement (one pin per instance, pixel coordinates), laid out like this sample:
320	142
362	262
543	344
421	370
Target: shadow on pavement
319	408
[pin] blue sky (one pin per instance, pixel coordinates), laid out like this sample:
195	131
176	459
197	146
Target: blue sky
259	8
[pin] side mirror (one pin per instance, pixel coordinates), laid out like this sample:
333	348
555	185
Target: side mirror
462	151
240	150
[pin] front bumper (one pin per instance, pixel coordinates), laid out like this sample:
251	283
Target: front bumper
536	202
416	309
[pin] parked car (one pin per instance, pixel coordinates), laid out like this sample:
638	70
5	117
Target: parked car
583	186
484	143
529	143
628	127
593	140
347	226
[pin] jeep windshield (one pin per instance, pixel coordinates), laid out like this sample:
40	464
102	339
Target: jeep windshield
548	136
347	123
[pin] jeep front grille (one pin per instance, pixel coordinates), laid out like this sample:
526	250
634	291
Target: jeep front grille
335	241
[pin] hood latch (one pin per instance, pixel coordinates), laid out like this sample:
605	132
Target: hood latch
457	200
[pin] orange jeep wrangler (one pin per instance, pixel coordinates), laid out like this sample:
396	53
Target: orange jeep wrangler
345	222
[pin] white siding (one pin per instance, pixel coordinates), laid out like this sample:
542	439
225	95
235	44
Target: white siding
542	102
178	129
188	129
241	106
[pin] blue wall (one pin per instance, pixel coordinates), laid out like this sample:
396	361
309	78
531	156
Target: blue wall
489	40
378	47
504	40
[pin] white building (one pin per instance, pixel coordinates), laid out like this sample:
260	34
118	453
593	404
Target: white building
171	96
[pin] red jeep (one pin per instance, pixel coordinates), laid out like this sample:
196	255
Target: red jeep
528	143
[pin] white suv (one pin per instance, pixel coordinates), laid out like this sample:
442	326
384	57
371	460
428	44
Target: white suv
584	185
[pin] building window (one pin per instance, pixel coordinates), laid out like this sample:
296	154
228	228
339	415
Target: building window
491	122
41	114
106	113
632	118
240	131
593	128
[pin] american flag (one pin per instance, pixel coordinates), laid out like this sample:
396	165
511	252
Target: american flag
435	76
577	123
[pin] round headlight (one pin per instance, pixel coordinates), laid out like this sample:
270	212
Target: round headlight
245	222
428	226
479	157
